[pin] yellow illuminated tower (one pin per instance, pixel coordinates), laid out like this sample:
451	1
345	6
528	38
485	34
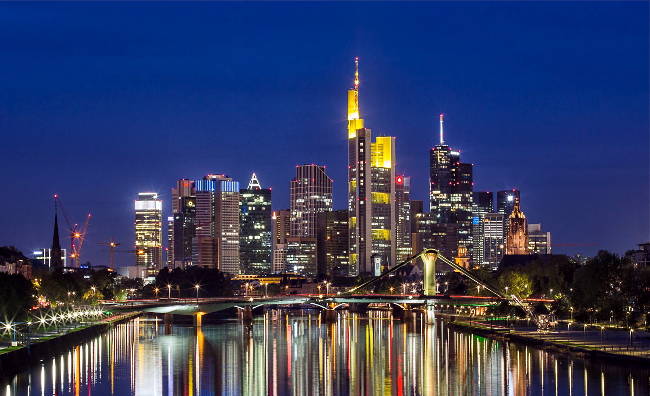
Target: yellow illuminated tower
371	192
517	235
359	183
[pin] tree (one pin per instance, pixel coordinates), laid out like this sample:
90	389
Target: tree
517	283
16	296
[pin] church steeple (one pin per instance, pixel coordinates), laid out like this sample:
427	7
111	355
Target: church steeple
56	252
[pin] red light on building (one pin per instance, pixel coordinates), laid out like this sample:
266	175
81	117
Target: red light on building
400	180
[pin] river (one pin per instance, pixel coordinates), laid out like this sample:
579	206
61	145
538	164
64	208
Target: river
292	353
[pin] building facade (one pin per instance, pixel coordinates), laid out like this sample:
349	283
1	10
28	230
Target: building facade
302	256
493	239
403	218
216	241
539	241
281	225
332	240
148	232
483	203
255	228
311	193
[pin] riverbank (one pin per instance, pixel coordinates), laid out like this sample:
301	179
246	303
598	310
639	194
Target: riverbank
558	341
15	359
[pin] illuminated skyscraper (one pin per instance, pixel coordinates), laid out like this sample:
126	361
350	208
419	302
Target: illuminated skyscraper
311	193
333	239
182	224
482	205
403	218
539	242
371	191
216	241
450	194
281	224
506	201
359	183
517	231
493	240
255	228
148	232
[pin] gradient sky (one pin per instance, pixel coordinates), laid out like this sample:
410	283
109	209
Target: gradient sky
100	101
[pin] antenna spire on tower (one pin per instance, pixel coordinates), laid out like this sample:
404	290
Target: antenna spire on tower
356	73
442	124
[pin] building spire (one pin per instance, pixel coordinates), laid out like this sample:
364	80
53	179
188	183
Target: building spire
356	73
442	124
56	252
254	184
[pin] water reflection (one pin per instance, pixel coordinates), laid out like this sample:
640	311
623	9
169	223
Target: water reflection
295	353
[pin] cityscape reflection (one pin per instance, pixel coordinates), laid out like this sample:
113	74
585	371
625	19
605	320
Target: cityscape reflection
294	352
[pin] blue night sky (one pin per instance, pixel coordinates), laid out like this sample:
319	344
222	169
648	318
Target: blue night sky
100	101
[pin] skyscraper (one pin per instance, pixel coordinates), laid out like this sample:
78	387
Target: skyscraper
493	240
332	240
450	194
382	190
517	231
403	218
359	183
255	228
371	191
216	241
506	201
483	203
148	232
539	241
311	193
281	224
181	224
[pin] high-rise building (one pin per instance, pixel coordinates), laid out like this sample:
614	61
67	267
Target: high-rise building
148	232
483	203
216	241
332	240
506	201
382	190
403	223
450	194
371	192
417	208
181	224
281	224
517	231
311	193
183	232
432	234
493	240
359	183
255	228
539	242
302	256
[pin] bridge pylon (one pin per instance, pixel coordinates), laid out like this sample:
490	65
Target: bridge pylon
429	257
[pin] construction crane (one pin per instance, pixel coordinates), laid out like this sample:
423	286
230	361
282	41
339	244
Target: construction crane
77	233
112	245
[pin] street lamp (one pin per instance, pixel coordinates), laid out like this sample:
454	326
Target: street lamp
392	289
506	290
156	290
197	287
169	291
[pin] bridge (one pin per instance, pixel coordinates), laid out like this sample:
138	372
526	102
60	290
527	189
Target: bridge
329	303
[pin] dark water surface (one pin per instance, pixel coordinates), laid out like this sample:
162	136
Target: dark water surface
293	353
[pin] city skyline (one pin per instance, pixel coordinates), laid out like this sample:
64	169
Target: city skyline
550	192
